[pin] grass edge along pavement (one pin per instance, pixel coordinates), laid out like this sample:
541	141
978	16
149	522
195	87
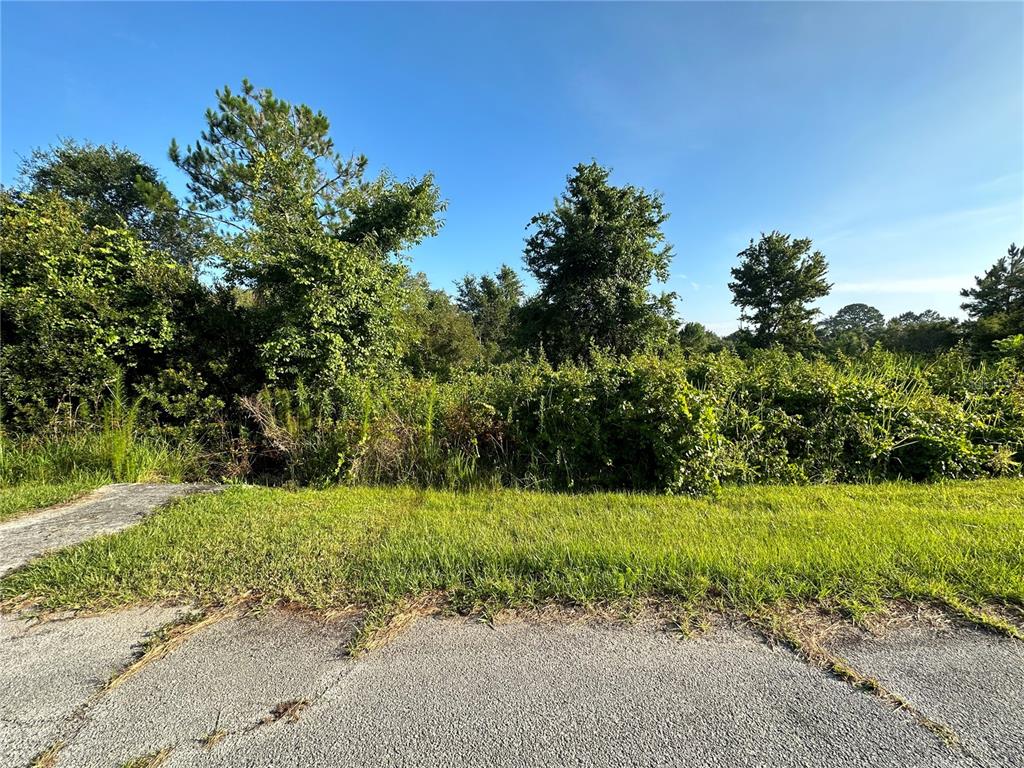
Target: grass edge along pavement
25	498
851	548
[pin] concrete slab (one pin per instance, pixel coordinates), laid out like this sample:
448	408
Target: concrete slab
971	680
50	670
462	694
230	676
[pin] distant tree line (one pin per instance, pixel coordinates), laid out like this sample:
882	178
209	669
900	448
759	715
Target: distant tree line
283	266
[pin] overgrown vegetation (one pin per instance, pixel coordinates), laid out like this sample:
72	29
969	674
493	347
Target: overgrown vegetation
267	328
79	452
678	424
850	548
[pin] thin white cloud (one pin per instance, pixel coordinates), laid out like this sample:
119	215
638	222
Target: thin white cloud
722	329
934	224
908	285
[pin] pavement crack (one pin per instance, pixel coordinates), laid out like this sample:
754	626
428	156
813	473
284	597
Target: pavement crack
215	736
150	760
383	623
158	645
167	639
289	711
48	757
983	619
784	630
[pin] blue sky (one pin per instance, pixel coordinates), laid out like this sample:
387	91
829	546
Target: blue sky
889	133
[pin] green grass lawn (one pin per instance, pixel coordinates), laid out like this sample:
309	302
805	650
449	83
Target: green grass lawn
24	497
852	546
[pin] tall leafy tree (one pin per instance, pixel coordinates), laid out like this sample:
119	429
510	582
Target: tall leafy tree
774	284
108	188
694	337
80	306
595	256
115	189
493	303
996	302
923	333
440	338
853	328
316	242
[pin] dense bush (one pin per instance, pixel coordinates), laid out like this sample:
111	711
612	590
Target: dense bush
680	425
79	306
882	416
618	423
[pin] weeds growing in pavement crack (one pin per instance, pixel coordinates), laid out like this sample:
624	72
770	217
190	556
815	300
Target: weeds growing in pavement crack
289	711
152	760
166	639
382	624
48	757
779	628
214	737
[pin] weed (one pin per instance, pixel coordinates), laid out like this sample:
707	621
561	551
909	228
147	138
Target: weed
379	626
213	738
290	711
48	757
165	640
981	618
151	760
780	626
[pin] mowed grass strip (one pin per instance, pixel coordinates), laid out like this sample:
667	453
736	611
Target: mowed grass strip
838	545
18	499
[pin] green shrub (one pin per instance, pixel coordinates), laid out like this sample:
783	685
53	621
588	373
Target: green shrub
79	306
880	417
634	423
402	431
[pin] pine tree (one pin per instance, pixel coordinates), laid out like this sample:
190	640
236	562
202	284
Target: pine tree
304	230
1000	290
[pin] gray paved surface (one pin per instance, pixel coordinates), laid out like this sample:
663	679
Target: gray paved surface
109	509
50	671
971	680
230	677
453	692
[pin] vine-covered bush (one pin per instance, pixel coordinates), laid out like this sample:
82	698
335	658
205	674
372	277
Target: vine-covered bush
80	307
647	423
643	423
880	417
633	423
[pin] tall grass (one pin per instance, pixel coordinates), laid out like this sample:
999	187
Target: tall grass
415	433
112	447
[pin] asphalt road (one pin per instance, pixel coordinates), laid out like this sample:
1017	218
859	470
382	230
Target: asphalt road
276	689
